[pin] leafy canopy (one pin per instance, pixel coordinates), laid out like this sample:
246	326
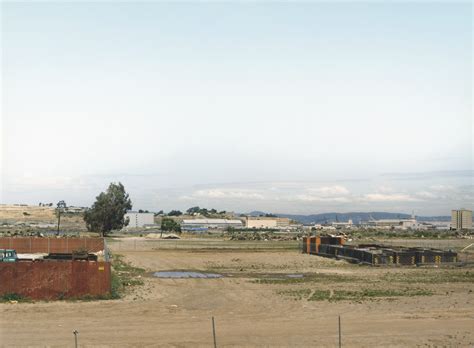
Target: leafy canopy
168	224
107	213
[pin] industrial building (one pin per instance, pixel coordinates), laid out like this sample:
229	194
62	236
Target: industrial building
136	219
267	222
343	225
197	225
461	219
397	224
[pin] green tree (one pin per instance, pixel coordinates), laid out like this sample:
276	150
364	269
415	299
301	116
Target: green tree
175	213
193	210
170	225
107	213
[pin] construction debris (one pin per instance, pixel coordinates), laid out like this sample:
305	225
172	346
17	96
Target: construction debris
375	254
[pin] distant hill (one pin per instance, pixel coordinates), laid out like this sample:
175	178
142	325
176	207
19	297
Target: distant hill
356	217
32	214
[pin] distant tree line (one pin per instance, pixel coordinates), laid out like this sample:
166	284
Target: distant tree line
109	209
203	211
191	211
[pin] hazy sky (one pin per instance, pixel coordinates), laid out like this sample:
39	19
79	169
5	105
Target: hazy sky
285	107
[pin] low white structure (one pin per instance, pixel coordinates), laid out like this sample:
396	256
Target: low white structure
205	224
324	227
343	225
267	222
136	219
398	224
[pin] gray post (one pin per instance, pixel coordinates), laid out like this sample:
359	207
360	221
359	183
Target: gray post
214	332
59	219
75	332
340	342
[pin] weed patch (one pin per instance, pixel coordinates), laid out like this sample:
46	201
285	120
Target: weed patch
365	294
124	275
313	278
320	295
351	295
295	294
13	297
431	276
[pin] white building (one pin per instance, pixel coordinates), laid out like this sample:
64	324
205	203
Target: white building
343	225
267	222
398	224
205	224
324	227
75	210
136	219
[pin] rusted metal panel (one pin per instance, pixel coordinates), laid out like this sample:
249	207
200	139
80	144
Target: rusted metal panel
51	245
46	280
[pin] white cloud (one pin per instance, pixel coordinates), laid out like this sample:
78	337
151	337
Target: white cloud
441	187
385	189
332	193
426	194
226	194
32	182
328	191
395	197
311	198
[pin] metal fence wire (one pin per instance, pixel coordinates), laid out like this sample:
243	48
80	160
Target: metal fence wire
148	245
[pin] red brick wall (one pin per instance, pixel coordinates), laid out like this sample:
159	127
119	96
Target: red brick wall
48	280
51	245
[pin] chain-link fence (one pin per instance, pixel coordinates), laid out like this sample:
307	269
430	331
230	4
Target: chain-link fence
117	244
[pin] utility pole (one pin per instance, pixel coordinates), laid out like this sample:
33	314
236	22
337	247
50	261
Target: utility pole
60	205
75	332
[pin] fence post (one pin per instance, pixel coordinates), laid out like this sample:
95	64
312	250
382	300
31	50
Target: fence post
340	341
75	332
214	332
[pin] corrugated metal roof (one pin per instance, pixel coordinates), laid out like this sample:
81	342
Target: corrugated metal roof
136	212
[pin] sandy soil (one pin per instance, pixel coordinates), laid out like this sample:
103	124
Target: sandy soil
177	312
16	213
10	215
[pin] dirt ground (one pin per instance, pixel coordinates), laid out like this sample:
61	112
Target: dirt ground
17	218
255	304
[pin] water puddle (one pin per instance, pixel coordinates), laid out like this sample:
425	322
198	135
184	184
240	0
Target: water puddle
295	275
186	274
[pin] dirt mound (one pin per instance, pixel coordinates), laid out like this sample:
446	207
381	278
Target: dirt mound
160	236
